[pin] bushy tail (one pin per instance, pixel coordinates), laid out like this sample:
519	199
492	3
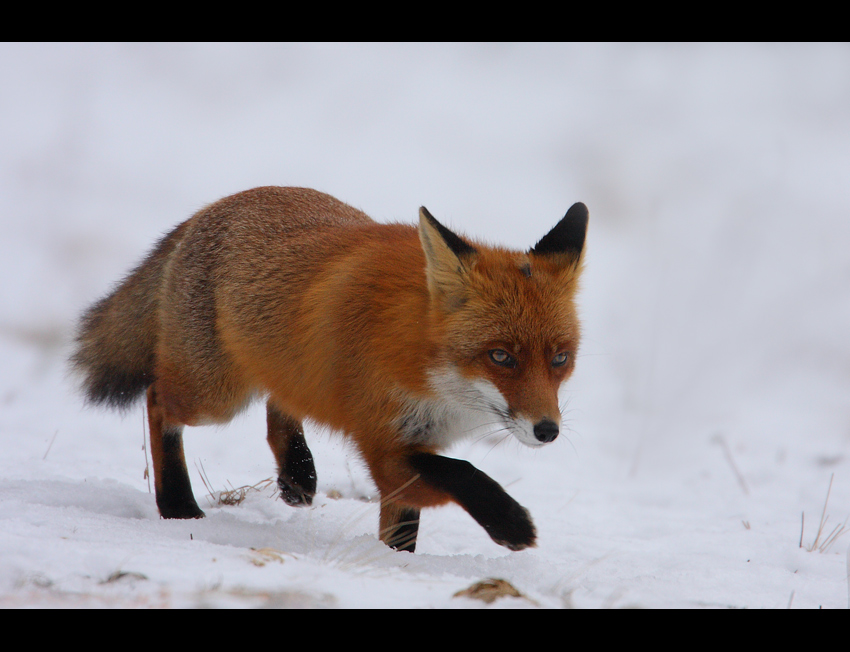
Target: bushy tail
117	336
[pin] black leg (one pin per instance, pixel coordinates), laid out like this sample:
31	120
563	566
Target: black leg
399	526
297	477
174	496
296	470
504	519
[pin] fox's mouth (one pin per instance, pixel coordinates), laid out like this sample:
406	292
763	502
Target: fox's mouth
481	397
532	434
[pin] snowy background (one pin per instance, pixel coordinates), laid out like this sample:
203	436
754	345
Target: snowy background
710	408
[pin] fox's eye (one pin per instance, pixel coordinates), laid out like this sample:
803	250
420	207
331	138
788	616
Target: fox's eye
561	359
502	358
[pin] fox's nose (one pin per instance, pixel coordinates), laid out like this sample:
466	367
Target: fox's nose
546	431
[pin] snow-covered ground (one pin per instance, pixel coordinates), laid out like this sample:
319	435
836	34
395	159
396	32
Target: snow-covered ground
710	408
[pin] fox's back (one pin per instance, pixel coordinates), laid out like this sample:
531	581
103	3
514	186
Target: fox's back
245	291
250	237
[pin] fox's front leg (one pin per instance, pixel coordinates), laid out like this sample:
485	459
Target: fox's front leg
409	480
399	525
296	470
506	521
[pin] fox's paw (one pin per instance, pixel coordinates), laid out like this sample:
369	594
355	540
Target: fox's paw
182	509
297	477
514	529
293	493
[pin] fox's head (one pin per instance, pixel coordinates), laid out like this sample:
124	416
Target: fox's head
506	322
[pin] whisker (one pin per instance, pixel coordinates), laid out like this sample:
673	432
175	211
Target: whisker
497	443
491	433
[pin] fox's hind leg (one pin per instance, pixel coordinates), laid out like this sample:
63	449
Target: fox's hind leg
174	496
296	470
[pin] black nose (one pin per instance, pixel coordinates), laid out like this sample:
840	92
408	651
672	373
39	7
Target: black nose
546	431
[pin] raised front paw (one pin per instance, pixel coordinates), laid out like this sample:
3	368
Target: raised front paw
504	519
514	529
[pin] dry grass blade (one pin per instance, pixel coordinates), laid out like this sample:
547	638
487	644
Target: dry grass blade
392	497
389	499
145	447
727	453
50	445
837	531
202	472
234	495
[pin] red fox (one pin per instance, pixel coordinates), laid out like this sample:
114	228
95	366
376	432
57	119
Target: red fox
404	339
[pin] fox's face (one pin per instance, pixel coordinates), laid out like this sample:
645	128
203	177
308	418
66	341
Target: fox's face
510	328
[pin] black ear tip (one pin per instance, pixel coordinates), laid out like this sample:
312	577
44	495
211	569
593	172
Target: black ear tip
577	215
567	236
578	210
459	246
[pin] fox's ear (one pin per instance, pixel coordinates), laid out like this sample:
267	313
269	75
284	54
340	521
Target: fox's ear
567	237
448	259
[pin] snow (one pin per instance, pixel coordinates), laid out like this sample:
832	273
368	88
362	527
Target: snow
710	408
